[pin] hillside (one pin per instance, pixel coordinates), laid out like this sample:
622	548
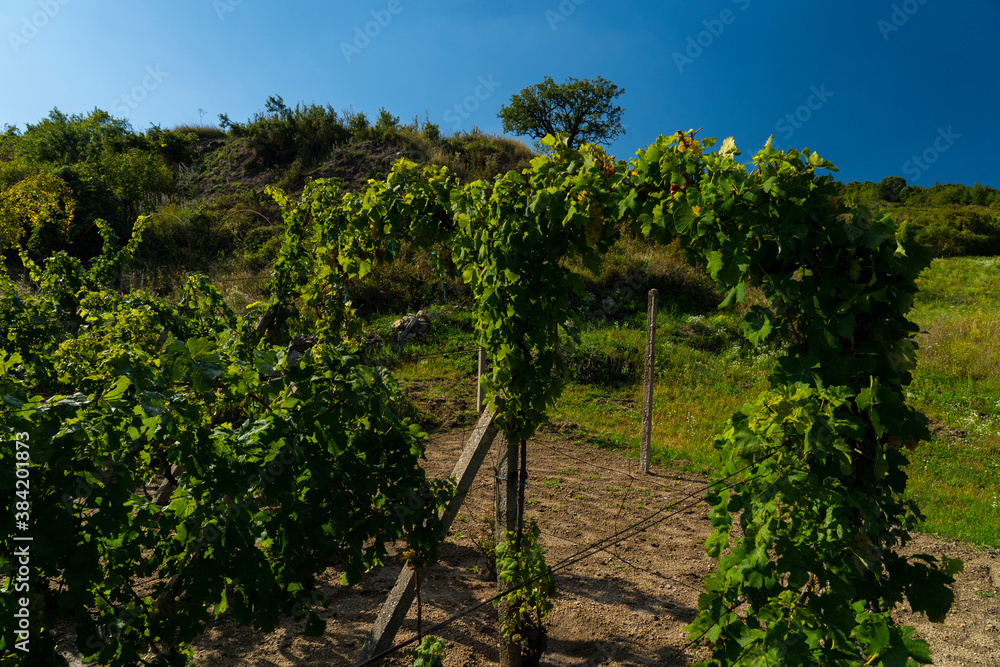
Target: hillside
204	187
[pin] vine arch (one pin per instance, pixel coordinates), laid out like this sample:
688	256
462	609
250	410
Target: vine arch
105	382
814	575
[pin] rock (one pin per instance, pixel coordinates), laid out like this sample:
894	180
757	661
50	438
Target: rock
411	325
299	346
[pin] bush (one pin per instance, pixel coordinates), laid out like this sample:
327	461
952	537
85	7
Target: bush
956	231
66	140
610	363
430	653
37	213
432	132
173	145
112	173
386	121
532	601
201	131
476	155
13	171
281	135
357	124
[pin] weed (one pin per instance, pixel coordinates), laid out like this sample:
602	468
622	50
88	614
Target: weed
485	540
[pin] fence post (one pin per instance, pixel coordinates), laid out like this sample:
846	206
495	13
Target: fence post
508	476
480	396
647	394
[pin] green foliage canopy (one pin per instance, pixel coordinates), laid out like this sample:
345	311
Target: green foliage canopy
582	109
36	211
288	463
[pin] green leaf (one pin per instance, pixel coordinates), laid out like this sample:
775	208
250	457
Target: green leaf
222	605
715	263
12	402
918	648
735	295
757	325
683	218
118	390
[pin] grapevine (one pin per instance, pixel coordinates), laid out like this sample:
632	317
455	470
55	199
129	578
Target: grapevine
289	465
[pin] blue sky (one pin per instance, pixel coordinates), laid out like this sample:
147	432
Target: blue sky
908	88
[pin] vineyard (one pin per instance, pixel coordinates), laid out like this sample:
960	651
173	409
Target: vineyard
286	453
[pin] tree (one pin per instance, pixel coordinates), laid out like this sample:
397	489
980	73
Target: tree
890	187
582	109
66	140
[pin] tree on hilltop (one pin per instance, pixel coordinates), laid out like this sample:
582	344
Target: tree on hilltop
583	109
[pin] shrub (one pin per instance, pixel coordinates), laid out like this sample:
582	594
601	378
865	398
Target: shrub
532	602
66	140
956	231
386	121
357	124
430	653
201	131
37	213
13	171
173	145
432	132
281	135
610	363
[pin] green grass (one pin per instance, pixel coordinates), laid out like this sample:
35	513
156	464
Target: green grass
956	477
704	372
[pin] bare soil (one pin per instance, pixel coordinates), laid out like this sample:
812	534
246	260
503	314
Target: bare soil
626	605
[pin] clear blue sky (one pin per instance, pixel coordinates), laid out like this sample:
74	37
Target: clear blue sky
878	87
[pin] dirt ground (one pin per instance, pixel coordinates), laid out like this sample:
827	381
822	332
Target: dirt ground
623	606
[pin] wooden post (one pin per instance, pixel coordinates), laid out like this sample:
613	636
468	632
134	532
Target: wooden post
507	489
647	394
480	395
397	604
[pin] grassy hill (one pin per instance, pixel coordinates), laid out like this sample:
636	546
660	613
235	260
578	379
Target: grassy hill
204	186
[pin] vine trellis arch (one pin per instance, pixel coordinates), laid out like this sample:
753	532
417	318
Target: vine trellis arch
814	573
291	463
